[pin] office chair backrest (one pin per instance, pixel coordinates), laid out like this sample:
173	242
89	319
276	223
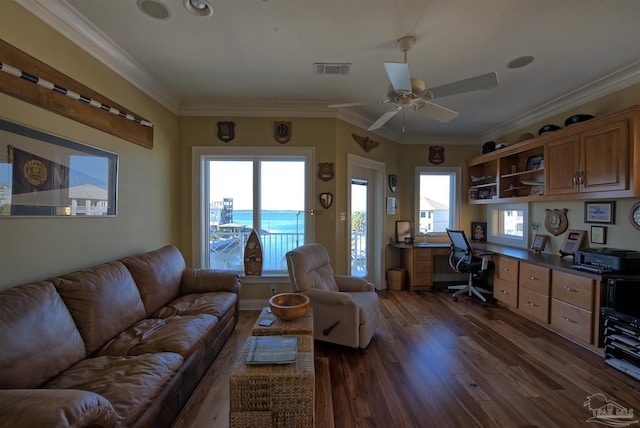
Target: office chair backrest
461	247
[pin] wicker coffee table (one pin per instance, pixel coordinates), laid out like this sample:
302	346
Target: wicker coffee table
278	395
301	326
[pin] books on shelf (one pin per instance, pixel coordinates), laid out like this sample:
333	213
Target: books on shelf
272	350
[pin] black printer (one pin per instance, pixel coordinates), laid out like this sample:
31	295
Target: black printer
605	260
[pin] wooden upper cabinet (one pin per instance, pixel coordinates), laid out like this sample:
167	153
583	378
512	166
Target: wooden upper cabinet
604	158
562	159
596	160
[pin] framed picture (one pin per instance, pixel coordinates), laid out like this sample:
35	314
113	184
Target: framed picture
599	212
598	235
572	241
473	193
42	174
391	205
534	162
539	242
403	230
478	231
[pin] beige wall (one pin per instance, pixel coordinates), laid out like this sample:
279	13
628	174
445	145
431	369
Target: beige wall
36	248
155	206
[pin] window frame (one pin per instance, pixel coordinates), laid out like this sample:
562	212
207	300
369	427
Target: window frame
455	174
495	237
200	188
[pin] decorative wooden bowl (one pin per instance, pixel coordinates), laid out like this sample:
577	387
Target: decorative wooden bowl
289	306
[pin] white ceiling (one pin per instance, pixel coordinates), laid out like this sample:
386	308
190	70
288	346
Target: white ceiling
255	57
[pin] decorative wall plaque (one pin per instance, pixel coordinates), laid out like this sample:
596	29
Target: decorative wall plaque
366	143
226	131
556	221
325	171
436	154
282	131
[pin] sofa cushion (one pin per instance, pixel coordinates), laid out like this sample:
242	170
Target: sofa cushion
157	275
28	360
60	408
217	303
131	384
103	301
181	335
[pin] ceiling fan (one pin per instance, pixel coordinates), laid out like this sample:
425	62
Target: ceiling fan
408	92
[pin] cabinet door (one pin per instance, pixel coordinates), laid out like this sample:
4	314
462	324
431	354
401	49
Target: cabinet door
562	164
604	163
506	269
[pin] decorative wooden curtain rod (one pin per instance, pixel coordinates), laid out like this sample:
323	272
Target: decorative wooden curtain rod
33	81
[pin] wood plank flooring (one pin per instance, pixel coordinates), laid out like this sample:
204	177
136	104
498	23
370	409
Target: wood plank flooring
438	363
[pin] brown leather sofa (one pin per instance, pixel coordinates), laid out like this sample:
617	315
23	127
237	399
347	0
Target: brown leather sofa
122	344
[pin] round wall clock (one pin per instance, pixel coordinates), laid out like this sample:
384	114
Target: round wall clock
634	215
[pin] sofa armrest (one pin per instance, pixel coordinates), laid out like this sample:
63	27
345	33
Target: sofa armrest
353	283
55	408
206	281
331	298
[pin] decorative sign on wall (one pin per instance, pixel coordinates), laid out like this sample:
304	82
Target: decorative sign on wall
282	131
436	154
226	131
325	171
31	80
365	142
556	221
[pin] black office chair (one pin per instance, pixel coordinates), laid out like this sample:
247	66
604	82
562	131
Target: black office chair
462	260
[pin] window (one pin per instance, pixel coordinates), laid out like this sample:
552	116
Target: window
241	189
436	202
508	224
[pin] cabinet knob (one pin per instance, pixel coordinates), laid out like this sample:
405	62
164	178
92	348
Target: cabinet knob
569	320
530	303
569	289
504	291
533	278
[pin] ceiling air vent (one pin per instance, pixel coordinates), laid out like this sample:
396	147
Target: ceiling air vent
331	69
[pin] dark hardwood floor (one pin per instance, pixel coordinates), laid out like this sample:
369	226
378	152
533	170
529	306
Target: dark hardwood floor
436	363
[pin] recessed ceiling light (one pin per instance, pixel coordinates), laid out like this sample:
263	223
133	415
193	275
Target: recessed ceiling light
199	7
154	8
520	62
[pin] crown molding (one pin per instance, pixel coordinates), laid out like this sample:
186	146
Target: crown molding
606	85
63	18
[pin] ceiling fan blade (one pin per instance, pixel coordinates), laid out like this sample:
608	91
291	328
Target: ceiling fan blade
384	118
356	104
434	111
483	81
398	73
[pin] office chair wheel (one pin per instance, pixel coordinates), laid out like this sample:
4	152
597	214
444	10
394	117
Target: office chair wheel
454	298
484	304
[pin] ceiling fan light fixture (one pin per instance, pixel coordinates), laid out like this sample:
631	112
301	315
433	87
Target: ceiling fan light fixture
198	7
155	9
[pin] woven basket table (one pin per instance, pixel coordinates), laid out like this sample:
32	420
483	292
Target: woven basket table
301	326
277	395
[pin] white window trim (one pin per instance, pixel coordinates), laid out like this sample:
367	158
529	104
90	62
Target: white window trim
454	197
200	187
510	241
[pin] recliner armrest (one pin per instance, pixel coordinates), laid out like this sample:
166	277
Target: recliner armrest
327	297
353	283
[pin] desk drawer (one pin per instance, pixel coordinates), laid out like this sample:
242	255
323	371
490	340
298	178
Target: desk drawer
423	266
534	304
535	278
573	289
507	269
505	292
574	321
423	254
424	278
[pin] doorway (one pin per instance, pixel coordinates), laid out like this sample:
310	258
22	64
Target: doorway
366	221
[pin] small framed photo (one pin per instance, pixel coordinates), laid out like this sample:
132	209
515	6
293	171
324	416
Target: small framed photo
534	162
473	194
602	212
391	205
478	231
403	230
598	235
539	242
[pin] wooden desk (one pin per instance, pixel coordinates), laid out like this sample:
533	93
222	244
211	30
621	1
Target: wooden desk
417	259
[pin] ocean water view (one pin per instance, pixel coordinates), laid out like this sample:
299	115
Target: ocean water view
272	221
